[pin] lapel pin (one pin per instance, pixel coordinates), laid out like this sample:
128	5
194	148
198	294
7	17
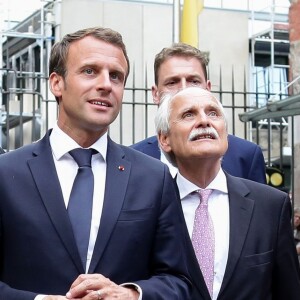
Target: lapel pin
121	168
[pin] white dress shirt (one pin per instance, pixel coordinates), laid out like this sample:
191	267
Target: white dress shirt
218	207
66	168
173	170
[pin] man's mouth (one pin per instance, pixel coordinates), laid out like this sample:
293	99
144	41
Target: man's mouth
99	103
203	133
201	137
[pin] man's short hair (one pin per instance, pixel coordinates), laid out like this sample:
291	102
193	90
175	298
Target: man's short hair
59	52
182	50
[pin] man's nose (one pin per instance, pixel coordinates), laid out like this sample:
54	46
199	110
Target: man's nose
183	83
104	82
202	119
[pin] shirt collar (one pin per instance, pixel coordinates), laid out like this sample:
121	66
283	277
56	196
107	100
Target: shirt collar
186	187
61	143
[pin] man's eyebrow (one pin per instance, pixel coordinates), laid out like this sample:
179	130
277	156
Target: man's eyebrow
214	106
189	108
171	77
194	76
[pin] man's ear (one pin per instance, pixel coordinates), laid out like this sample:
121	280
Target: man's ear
208	85
164	142
56	83
155	95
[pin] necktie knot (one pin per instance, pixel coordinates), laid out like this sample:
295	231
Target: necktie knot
204	195
82	156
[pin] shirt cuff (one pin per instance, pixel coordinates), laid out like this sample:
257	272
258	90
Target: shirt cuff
135	287
40	297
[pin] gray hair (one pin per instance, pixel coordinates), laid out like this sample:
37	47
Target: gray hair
162	117
162	124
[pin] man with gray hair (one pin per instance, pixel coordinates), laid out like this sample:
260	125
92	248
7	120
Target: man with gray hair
240	229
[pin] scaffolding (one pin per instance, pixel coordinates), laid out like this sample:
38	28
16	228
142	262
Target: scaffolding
25	49
269	46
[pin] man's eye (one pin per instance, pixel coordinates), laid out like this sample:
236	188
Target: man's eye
212	114
195	82
170	83
114	76
187	115
117	77
89	71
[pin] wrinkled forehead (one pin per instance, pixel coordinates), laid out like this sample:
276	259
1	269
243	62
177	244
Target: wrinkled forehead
196	95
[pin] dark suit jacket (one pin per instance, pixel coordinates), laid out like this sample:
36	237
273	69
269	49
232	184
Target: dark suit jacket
262	262
136	240
242	159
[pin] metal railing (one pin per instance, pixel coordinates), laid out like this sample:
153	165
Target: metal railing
27	114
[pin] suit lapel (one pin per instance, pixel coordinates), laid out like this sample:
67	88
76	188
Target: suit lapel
44	174
117	176
240	210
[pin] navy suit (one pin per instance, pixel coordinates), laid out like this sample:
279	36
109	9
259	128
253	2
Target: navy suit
135	242
242	159
262	262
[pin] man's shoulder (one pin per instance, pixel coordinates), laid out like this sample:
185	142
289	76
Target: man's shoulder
23	153
136	155
16	159
148	146
247	186
234	140
26	149
152	140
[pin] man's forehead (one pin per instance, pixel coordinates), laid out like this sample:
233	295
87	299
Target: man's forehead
196	95
186	103
177	60
179	57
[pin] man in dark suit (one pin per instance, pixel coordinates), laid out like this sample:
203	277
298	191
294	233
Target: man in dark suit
130	251
251	241
183	65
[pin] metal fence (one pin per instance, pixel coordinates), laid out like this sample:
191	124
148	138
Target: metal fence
29	109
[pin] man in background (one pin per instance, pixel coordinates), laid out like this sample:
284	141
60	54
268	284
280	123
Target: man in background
181	66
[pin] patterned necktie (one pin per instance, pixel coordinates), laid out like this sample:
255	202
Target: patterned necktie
203	239
81	200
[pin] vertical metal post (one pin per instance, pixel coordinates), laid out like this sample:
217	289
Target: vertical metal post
233	100
1	88
272	47
146	101
176	20
293	164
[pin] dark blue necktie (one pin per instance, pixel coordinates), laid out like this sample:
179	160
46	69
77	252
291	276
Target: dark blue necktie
81	200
